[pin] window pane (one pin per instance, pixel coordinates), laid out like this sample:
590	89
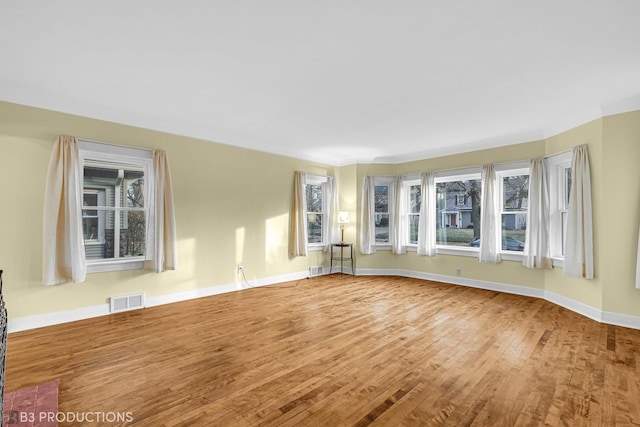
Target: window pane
381	199
102	242
314	198
89	199
123	183
90	227
514	230
414	199
458	213
135	193
567	185
314	228
132	235
564	216
413	229
515	192
382	228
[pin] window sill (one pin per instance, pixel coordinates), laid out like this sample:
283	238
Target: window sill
106	266
316	247
557	261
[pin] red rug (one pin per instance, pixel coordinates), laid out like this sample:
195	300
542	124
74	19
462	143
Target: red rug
32	406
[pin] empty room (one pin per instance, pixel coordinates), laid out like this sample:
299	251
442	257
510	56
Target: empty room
385	213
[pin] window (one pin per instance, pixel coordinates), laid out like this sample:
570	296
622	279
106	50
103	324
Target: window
559	171
412	188
415	200
317	221
384	196
458	199
514	197
114	211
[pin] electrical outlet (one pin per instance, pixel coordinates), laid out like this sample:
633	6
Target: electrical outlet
458	272
239	269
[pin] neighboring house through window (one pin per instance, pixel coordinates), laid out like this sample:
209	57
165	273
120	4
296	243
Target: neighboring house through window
115	210
317	197
458	198
514	202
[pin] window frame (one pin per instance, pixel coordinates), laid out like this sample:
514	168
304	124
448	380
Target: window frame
502	173
321	181
90	152
463	174
386	181
407	183
556	166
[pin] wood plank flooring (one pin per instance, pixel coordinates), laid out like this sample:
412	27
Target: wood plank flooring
341	351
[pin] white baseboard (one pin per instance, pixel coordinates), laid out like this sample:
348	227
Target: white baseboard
586	310
55	318
49	319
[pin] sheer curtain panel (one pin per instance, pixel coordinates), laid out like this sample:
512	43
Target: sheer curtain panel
578	258
368	234
489	217
427	221
332	212
162	248
298	222
63	241
399	230
536	248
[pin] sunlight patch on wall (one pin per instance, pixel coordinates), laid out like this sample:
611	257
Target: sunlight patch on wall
240	239
276	238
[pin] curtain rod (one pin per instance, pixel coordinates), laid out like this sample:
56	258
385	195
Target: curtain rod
112	144
558	153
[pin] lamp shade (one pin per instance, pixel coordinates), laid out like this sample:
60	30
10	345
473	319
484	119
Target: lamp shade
343	217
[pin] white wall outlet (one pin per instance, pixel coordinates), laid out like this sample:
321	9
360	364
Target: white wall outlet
239	270
458	272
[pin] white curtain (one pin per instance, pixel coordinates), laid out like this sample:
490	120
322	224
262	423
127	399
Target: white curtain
298	222
368	232
578	258
162	247
399	232
427	221
490	217
332	212
63	241
536	248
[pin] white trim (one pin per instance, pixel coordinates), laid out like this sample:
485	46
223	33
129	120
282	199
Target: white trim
55	318
58	317
575	306
600	316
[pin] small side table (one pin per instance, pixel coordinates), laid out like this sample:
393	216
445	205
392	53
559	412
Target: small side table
338	254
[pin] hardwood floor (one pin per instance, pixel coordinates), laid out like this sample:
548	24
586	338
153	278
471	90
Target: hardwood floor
346	351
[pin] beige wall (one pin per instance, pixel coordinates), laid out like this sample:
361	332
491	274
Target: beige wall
620	213
232	207
586	291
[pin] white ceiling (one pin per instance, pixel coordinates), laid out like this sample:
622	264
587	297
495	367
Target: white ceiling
337	81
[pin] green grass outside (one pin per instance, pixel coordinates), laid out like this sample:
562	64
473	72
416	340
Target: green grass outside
464	236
